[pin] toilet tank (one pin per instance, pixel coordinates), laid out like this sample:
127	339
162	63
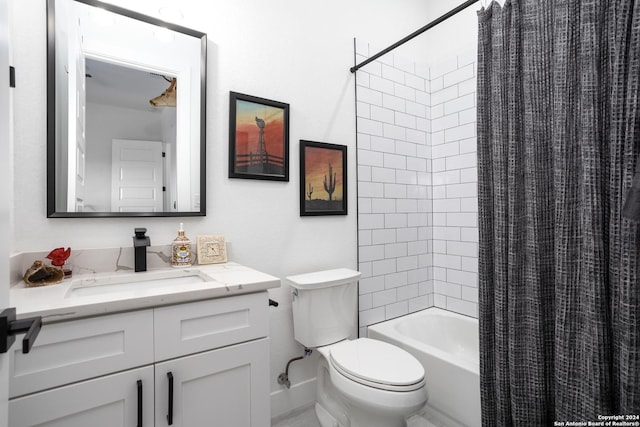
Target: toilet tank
325	308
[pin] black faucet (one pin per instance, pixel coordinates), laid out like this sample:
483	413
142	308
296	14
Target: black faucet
140	243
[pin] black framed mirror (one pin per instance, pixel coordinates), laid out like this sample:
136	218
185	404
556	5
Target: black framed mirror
126	98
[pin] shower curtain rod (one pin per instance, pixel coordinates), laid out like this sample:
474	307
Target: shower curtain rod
414	34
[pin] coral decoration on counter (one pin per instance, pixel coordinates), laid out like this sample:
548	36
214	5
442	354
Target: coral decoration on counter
58	256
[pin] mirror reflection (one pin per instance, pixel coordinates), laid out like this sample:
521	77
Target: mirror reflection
126	109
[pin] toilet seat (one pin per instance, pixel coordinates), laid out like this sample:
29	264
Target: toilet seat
377	364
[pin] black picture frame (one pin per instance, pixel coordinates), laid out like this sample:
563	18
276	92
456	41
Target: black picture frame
258	138
56	175
323	170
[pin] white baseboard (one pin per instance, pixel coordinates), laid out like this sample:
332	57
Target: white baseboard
299	395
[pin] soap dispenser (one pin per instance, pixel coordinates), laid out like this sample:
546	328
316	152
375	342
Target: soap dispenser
181	254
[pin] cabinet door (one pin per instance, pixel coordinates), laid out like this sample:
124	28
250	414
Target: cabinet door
224	387
109	401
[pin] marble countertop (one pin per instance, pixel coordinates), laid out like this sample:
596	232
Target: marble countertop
63	302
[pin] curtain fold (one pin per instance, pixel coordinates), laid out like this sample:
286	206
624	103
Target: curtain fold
558	138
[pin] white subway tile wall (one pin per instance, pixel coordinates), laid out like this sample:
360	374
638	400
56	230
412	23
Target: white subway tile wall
417	186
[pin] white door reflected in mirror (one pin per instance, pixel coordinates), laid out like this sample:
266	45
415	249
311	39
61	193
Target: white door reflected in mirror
136	177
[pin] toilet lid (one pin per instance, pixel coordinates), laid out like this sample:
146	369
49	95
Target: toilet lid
370	361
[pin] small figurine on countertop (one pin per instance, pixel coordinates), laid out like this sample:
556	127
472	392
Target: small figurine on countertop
40	274
181	253
58	258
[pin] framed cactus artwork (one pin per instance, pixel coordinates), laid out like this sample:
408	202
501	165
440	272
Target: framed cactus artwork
323	178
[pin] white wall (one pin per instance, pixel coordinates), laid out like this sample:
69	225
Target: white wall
451	51
286	50
394	184
447	39
453	36
454	183
430	214
6	164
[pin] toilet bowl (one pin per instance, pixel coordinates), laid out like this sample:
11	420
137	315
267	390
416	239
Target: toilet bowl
371	383
360	382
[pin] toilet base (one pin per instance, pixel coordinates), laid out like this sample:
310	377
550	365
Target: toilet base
335	409
325	418
357	419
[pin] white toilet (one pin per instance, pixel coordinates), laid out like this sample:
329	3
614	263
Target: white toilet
361	382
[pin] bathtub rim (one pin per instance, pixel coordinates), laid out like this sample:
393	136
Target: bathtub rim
388	330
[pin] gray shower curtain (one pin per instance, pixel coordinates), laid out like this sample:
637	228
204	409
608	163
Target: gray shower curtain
558	139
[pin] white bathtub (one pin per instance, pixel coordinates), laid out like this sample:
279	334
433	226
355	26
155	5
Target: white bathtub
446	344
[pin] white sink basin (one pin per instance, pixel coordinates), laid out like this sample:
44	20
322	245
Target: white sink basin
142	281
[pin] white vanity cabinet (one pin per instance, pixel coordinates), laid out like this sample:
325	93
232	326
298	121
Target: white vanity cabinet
228	386
114	370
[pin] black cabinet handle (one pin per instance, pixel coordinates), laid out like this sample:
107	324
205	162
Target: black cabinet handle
139	403
170	414
33	326
273	303
9	327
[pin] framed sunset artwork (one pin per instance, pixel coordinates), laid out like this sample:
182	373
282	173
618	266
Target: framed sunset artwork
258	138
323	179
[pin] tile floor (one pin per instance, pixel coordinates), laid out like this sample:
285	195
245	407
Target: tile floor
306	417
